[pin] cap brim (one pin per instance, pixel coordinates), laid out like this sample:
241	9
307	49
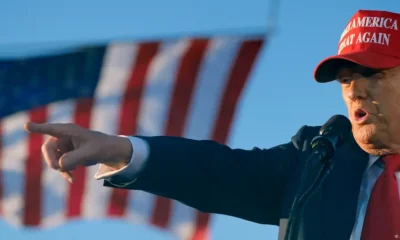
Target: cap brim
328	68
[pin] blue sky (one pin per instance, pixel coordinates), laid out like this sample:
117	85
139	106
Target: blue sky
280	97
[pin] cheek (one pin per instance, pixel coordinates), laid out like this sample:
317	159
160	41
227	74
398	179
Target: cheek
345	97
388	96
388	109
392	107
382	99
387	99
346	101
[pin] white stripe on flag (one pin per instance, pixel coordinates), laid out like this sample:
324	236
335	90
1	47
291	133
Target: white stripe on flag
14	155
117	67
153	114
204	107
116	70
208	91
54	187
159	87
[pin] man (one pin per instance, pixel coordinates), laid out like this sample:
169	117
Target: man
359	199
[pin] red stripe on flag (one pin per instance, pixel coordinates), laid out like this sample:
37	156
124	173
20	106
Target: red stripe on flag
33	172
82	116
201	232
237	79
184	85
129	114
182	94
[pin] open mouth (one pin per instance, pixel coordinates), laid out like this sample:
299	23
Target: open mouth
360	115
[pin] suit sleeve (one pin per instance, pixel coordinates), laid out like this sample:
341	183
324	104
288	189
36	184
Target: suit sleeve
214	178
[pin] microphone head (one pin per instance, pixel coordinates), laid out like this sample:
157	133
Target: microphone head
337	125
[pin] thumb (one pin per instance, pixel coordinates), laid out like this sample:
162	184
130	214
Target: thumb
53	129
78	157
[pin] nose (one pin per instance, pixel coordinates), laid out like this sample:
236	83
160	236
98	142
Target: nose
357	90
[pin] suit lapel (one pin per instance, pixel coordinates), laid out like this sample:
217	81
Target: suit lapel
341	191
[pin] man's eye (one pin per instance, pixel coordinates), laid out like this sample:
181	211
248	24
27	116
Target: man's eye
344	80
368	72
378	75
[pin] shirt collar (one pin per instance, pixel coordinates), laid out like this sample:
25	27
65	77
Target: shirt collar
372	160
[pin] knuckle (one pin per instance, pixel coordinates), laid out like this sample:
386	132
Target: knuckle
62	164
64	159
66	162
43	148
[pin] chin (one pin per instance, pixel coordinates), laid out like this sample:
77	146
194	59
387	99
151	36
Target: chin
366	133
370	138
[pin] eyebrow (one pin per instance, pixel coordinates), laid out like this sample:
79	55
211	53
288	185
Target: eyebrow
340	73
364	71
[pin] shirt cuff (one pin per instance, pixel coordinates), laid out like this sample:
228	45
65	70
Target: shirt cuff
127	174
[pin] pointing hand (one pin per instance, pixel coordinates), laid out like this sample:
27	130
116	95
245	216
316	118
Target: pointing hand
70	146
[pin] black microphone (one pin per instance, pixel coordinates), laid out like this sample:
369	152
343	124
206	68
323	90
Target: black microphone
331	136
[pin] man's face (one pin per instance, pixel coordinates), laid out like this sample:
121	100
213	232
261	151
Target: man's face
373	101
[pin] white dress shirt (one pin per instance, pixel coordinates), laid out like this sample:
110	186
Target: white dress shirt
141	152
129	172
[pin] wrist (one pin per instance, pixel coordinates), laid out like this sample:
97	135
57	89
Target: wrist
123	154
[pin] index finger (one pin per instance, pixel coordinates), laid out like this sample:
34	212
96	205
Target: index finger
52	129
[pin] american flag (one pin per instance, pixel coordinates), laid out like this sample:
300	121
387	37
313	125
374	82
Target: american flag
178	87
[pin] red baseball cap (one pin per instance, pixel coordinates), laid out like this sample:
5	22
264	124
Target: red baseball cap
370	39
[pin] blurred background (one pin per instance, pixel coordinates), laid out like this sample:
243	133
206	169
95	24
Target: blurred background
278	97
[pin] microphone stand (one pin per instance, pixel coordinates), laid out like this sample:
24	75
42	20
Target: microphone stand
321	155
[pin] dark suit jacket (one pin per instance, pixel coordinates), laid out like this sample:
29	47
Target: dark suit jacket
258	185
